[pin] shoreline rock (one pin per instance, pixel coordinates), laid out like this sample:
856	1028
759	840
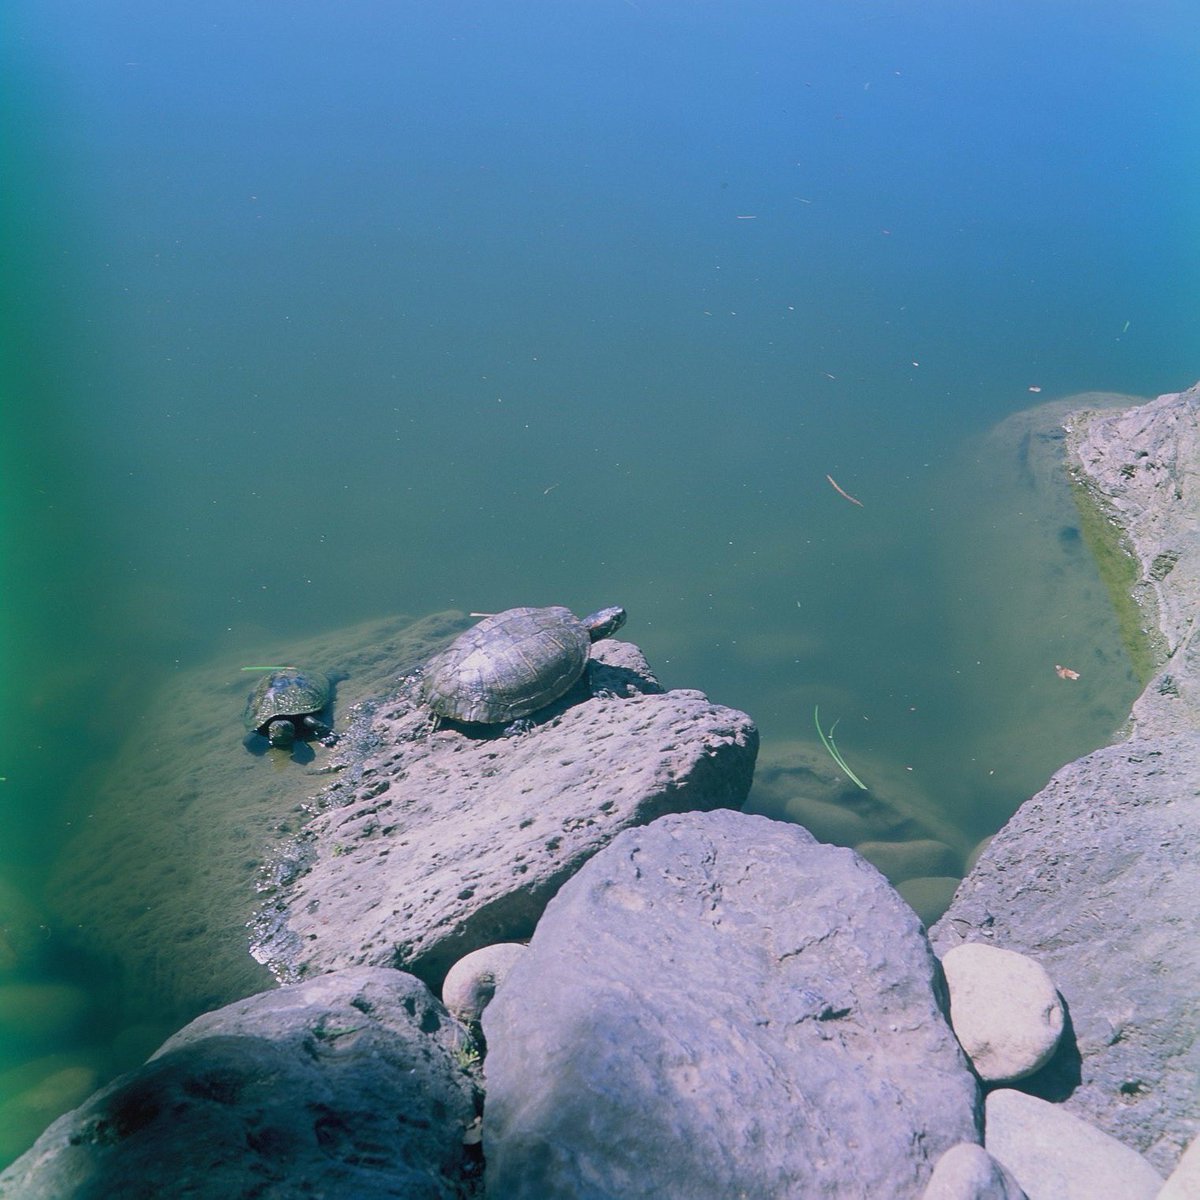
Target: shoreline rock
720	1005
1096	876
351	1084
436	844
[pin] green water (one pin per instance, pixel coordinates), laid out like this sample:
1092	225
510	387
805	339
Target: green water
318	318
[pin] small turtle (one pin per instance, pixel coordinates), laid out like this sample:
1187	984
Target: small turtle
286	703
513	663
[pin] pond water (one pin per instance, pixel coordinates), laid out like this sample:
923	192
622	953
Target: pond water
320	313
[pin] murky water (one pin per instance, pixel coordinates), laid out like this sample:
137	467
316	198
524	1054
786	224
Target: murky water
329	314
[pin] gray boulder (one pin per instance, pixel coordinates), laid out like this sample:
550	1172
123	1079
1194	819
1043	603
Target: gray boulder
718	1005
432	845
347	1085
1055	1155
1097	878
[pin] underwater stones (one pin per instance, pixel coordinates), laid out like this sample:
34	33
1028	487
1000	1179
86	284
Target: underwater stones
1004	1009
430	846
348	1085
1055	1155
718	1005
918	858
471	983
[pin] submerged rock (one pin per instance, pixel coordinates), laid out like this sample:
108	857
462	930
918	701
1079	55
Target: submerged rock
347	1085
435	844
717	1005
161	879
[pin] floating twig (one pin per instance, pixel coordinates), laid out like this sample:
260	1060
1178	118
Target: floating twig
841	491
834	753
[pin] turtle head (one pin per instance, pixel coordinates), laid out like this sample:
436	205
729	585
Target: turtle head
604	623
281	733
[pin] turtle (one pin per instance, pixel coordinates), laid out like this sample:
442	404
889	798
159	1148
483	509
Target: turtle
513	663
286	702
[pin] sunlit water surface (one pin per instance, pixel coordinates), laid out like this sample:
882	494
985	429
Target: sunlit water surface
319	313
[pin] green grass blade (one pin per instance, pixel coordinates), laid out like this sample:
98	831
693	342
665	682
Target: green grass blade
834	753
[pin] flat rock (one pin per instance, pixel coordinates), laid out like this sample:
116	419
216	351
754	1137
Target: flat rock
432	845
718	1005
346	1085
1057	1156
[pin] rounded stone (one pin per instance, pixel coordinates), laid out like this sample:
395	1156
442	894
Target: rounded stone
472	981
969	1172
1004	1008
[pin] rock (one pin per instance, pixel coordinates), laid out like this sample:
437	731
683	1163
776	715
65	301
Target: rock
1184	1182
347	1085
1004	1010
471	983
435	844
969	1172
717	1005
1142	467
1057	1156
797	781
1096	876
915	859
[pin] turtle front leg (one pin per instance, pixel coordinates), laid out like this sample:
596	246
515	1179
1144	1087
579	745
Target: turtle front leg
319	729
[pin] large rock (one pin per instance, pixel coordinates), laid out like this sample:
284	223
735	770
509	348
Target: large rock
435	844
1097	875
1097	878
1056	1156
347	1085
718	1005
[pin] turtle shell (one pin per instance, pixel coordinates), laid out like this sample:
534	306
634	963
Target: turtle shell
290	692
508	666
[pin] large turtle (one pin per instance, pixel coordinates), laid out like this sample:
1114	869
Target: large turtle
288	702
513	663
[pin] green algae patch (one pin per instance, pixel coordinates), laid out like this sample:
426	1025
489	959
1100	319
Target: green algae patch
1120	573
